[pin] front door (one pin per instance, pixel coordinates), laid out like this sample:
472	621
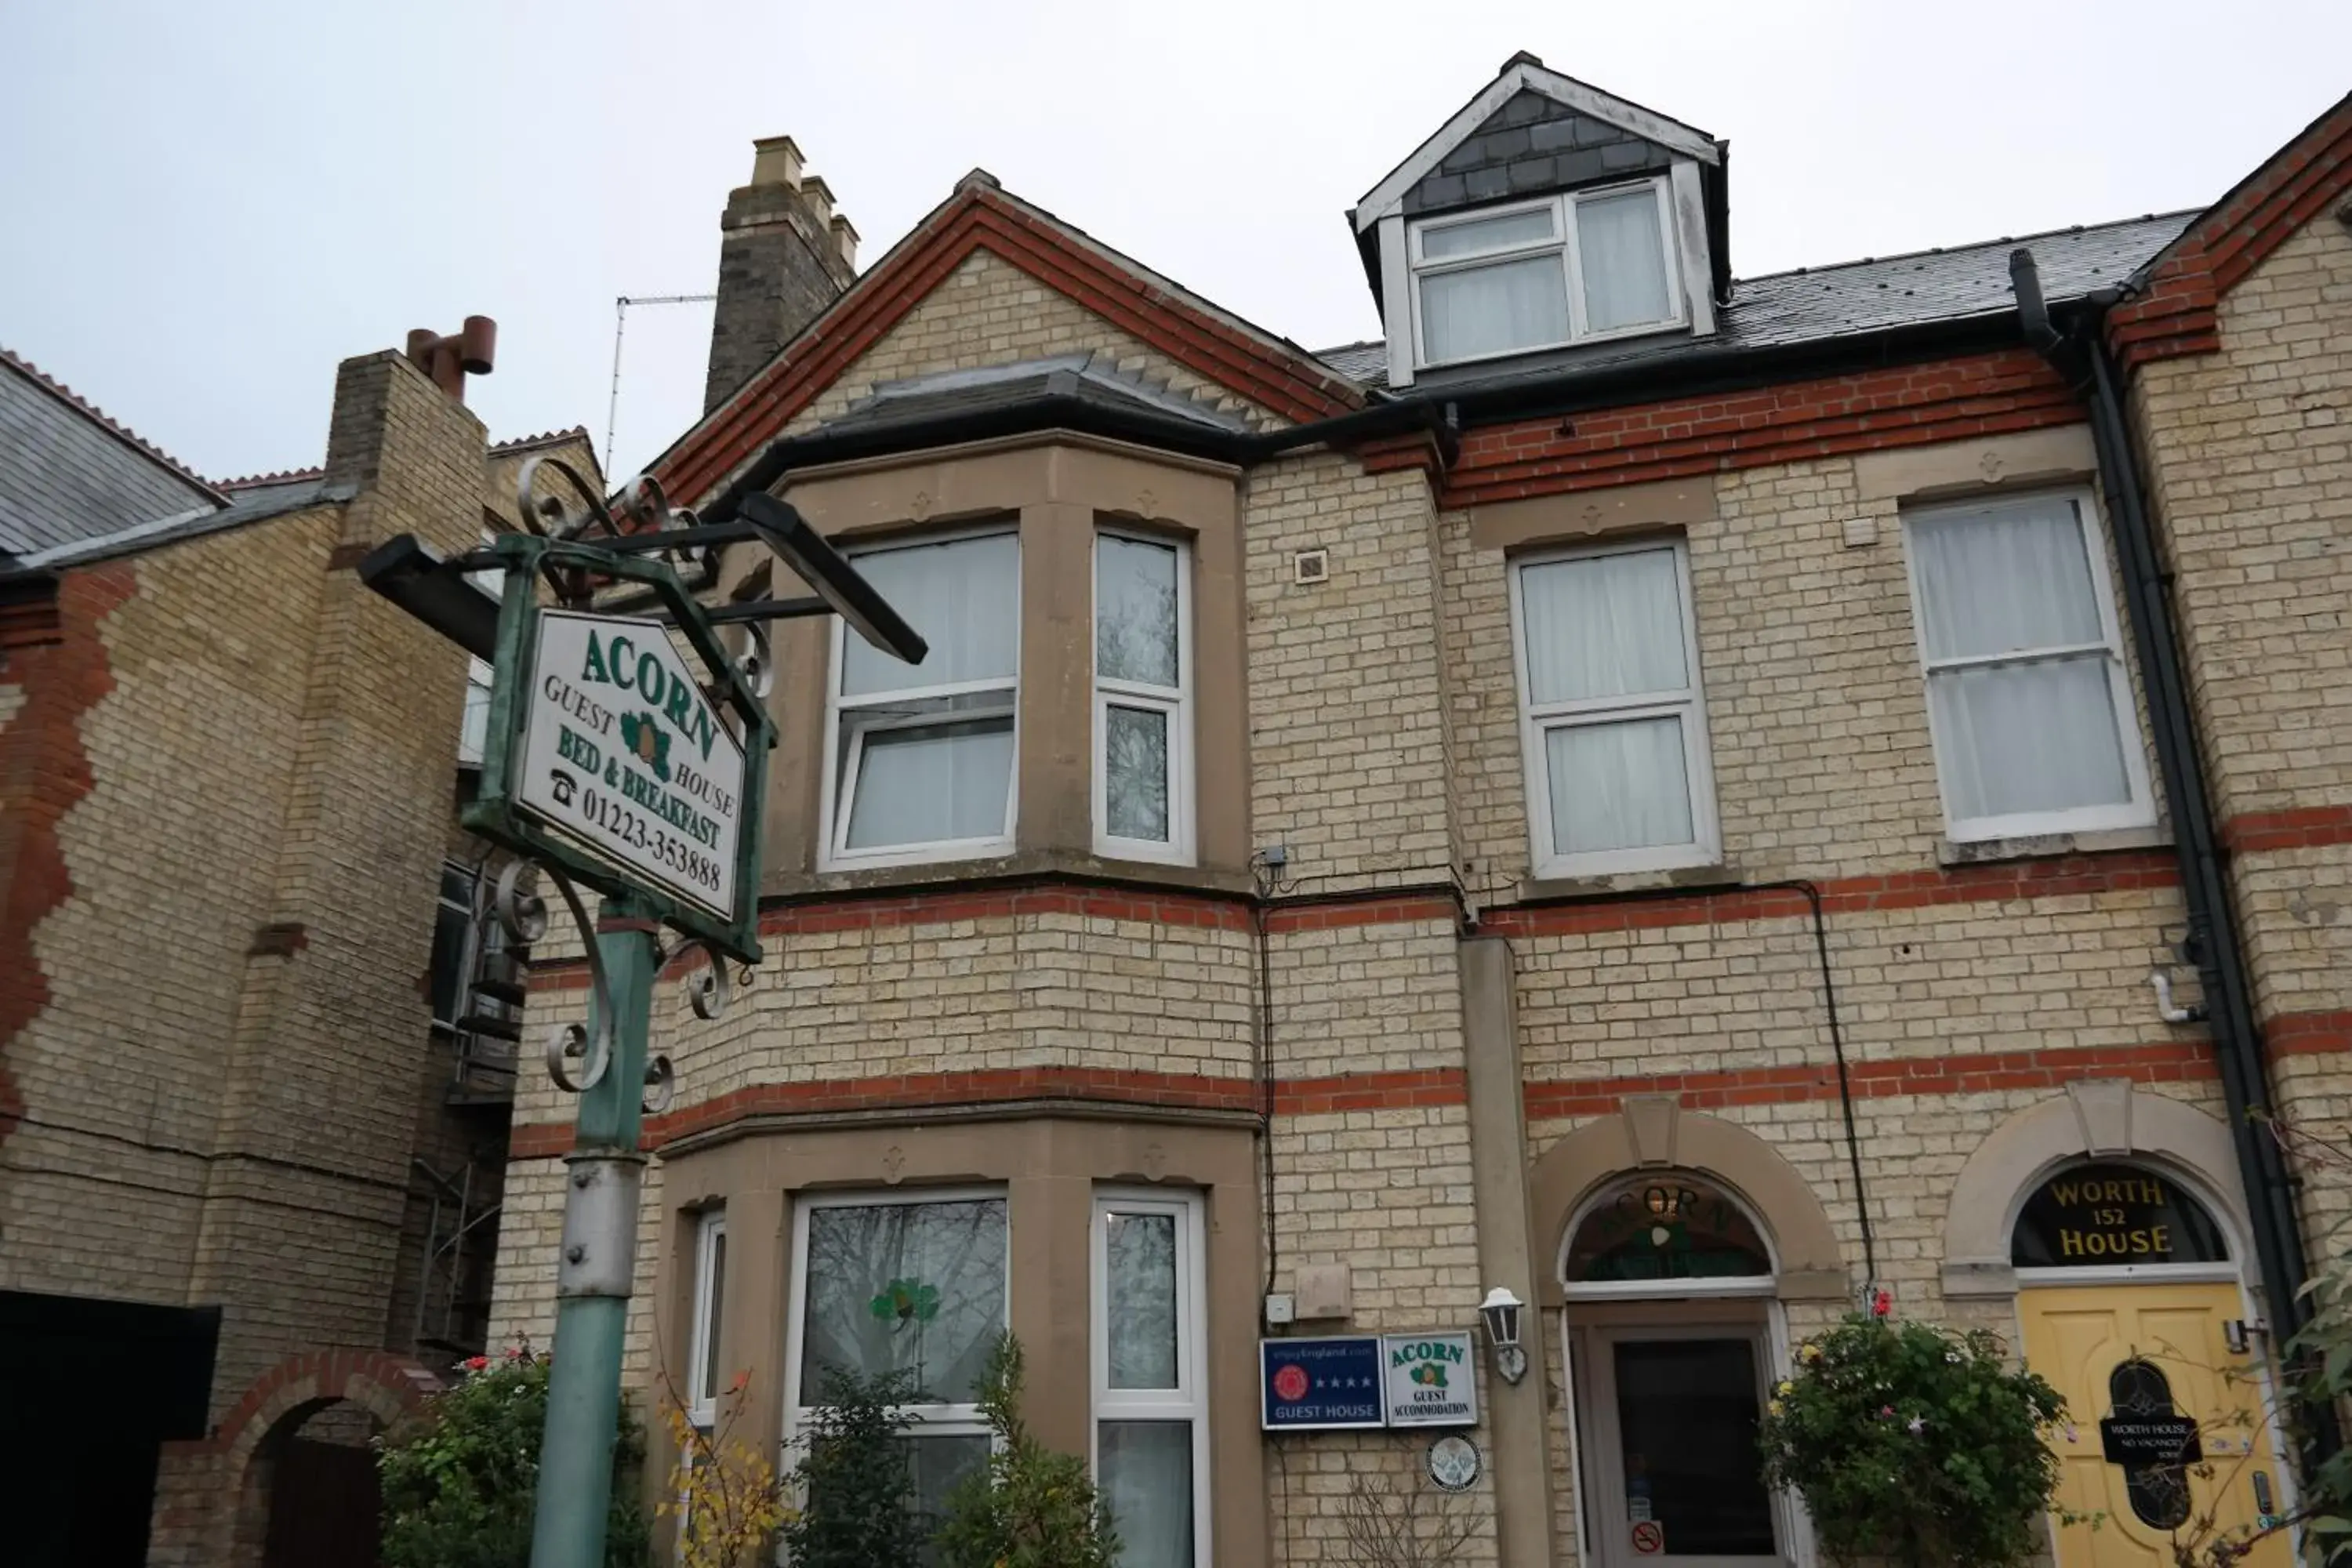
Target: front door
1670	1432
2151	1351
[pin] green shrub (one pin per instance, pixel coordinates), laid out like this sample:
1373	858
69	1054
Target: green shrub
1029	1507
1915	1444
856	1493
461	1481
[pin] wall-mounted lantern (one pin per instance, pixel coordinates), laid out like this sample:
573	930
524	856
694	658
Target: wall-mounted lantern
1501	1311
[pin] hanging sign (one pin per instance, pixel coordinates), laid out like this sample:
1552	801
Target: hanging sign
621	751
1429	1380
2150	1440
1320	1383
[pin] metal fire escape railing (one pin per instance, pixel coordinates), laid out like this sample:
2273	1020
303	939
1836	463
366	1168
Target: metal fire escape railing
453	1304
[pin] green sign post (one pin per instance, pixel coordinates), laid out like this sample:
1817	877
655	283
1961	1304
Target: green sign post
624	761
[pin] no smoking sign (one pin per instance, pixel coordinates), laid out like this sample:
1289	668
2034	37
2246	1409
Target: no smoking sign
1649	1537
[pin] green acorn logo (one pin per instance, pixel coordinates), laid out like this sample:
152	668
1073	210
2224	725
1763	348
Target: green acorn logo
647	741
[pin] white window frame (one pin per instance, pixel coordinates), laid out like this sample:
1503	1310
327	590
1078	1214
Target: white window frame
1189	1400
480	676
956	1420
1564	242
1175	701
1688	705
701	1395
839	785
2140	811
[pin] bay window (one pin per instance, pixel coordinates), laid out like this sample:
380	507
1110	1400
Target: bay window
1612	722
921	757
2029	705
906	1284
1142	716
1151	1408
1544	274
703	1381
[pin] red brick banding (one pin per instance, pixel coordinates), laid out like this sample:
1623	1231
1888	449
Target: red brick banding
1868	410
2309	827
61	663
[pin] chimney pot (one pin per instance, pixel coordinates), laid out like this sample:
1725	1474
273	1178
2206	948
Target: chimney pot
846	237
420	346
477	345
776	161
819	197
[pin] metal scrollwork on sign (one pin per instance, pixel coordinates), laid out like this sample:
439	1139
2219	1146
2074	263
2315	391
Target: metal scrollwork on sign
661	1085
570	1042
710	991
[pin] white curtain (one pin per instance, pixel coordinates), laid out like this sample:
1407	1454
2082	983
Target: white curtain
2036	734
1145	1468
1620	250
912	1288
1605	625
1529	225
963	595
1621	785
1504	305
2037	737
931	784
2004	579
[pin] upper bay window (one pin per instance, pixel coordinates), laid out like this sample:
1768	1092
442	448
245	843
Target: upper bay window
921	765
2027	701
1143	680
1545	274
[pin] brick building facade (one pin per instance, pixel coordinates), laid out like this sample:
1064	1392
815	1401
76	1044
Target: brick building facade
233	1174
1659	795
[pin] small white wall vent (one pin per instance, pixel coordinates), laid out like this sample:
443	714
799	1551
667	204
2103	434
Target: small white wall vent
1310	566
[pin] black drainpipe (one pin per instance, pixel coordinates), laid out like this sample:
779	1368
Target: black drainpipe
2080	357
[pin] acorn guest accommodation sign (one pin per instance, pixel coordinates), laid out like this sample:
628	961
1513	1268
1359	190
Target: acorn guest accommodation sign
621	751
1429	1380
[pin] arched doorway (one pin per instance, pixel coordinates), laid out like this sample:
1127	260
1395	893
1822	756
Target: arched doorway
2131	1301
1666	1281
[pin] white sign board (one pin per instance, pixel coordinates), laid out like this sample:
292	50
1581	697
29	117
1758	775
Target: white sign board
621	751
1429	1380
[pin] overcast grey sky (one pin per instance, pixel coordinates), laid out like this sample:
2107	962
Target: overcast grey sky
205	203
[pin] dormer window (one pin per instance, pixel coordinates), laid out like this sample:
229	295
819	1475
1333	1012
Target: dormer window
1546	274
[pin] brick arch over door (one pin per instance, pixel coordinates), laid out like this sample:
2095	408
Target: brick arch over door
1655	1132
2095	1118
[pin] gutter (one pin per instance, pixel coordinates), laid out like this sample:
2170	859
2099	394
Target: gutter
2080	356
1441	410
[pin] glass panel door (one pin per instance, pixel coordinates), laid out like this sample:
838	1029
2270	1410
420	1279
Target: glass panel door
1673	1474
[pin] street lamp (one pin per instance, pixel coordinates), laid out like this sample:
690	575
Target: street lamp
1501	1311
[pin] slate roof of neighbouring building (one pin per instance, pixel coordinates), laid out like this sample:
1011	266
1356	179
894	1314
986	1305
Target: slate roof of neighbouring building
69	473
1822	303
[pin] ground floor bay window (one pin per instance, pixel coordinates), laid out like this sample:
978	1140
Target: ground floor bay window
1150	1398
912	1285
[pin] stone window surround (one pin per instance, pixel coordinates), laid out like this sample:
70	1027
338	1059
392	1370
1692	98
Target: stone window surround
1051	1169
1062	488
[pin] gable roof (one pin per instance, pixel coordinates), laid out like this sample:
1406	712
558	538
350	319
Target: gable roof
72	473
1819	304
1525	73
2180	288
1213	343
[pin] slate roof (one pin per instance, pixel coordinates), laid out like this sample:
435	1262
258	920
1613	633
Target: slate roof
1092	378
70	473
252	501
1822	303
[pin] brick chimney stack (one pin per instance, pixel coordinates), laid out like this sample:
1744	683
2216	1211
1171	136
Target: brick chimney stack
783	255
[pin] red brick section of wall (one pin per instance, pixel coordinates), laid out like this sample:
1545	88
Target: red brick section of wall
2308	828
2175	314
976	218
61	663
1942	400
2162	1062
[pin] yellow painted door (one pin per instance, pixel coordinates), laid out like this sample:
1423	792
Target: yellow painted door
2077	1337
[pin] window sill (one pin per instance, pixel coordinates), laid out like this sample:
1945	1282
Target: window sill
1950	852
1028	865
1541	890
